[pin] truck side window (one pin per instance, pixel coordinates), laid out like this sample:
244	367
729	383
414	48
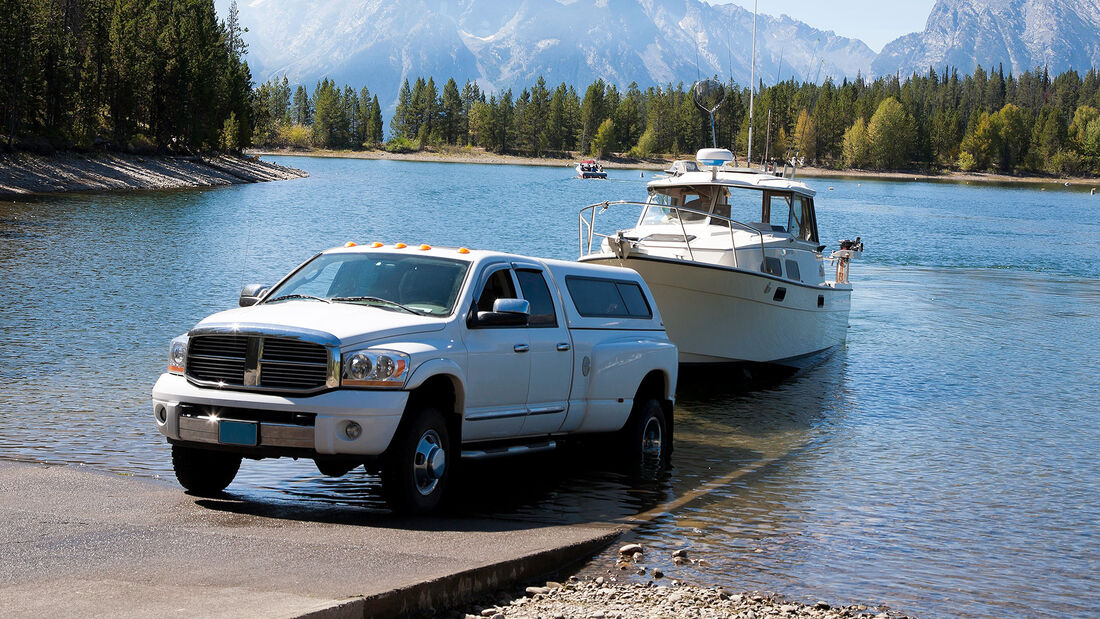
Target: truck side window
533	286
606	298
498	286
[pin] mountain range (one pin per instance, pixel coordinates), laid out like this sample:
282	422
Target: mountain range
1018	34
509	43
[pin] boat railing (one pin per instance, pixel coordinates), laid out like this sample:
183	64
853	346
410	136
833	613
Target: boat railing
588	233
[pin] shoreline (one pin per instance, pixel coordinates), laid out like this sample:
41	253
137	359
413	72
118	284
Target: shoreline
605	597
480	156
24	174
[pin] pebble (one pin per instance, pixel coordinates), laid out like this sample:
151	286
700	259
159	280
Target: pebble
682	553
630	549
638	600
657	573
638	557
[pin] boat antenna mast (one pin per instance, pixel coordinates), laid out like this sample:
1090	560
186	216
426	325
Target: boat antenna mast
709	95
752	77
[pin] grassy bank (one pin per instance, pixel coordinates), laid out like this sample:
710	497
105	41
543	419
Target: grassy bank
67	171
481	156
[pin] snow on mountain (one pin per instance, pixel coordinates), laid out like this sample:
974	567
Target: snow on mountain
509	43
1021	34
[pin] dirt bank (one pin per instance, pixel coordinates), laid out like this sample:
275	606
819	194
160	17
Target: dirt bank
25	173
478	155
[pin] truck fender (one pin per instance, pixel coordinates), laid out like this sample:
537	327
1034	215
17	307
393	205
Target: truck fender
618	368
441	367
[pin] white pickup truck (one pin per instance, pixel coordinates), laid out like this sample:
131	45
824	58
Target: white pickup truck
404	358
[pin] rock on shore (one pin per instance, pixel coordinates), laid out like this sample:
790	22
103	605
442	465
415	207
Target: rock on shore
25	173
622	601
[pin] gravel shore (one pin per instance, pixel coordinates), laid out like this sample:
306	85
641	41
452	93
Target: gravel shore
26	173
600	599
657	596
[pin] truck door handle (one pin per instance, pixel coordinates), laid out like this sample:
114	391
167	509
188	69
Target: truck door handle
564	346
521	348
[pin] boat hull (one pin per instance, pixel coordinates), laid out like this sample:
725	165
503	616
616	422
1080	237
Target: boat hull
718	314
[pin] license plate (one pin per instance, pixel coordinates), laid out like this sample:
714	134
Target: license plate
238	432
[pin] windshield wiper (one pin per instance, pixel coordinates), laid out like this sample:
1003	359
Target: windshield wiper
286	297
378	300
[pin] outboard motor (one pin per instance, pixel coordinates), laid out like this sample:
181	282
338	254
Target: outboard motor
843	256
856	245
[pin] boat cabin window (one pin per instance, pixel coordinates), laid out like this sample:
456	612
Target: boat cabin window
704	199
790	213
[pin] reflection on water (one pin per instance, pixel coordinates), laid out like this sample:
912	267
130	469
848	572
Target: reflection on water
944	462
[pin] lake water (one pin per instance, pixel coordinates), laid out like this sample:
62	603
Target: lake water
946	462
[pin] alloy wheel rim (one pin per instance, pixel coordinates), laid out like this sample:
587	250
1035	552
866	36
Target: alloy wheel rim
651	441
429	462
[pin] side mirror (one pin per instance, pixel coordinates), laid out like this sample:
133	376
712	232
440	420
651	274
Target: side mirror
251	294
506	313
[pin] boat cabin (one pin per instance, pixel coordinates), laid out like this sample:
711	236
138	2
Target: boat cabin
770	208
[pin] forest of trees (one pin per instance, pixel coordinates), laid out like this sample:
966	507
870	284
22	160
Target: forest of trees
168	76
940	120
139	75
332	118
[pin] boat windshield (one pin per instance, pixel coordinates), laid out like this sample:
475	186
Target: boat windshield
770	211
425	285
741	205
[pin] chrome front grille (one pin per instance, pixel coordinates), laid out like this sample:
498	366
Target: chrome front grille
260	362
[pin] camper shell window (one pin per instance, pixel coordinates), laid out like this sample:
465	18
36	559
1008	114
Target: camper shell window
607	298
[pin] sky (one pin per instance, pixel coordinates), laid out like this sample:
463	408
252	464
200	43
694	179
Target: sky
875	22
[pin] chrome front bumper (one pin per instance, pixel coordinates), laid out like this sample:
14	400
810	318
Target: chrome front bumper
189	413
205	430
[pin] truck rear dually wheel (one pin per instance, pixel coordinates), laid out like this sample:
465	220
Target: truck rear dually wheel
202	471
646	440
417	467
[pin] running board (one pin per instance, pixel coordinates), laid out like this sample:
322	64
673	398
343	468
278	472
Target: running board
512	450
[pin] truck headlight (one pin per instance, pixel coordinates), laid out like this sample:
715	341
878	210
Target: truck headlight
177	355
375	368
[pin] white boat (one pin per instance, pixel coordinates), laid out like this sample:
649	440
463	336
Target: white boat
729	291
590	169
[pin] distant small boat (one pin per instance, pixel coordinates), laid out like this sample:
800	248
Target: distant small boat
590	169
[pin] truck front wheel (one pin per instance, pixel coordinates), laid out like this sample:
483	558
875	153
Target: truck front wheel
202	471
417	467
646	440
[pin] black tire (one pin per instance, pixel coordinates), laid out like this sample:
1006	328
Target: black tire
202	471
646	440
419	463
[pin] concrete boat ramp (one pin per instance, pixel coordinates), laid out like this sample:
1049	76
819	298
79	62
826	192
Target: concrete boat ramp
75	542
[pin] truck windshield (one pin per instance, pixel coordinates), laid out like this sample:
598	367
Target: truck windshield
423	285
